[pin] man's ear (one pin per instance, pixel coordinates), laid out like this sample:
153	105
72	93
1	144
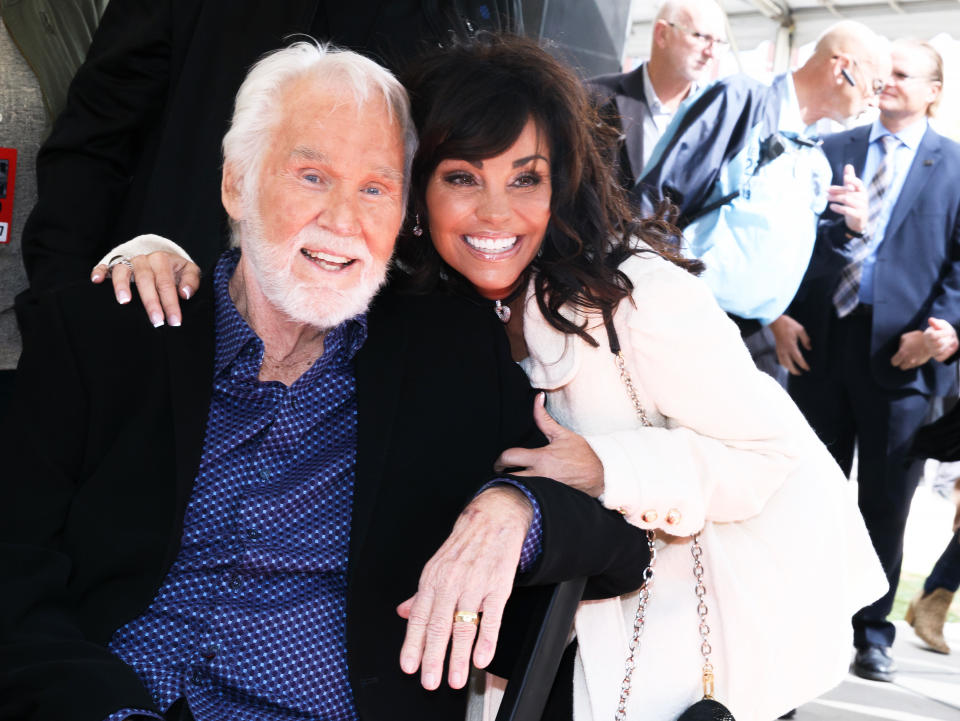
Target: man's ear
659	33
231	194
840	63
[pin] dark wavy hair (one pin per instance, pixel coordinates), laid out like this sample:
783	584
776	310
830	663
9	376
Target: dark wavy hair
471	101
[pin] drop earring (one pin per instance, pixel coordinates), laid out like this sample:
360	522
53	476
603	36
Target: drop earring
417	228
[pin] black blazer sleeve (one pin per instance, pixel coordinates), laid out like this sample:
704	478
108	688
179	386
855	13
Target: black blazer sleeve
51	667
85	166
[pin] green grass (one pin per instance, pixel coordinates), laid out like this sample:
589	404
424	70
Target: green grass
910	585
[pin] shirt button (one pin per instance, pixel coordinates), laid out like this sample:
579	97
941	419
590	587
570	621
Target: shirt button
673	517
209	652
263	474
649	516
197	677
252	534
233	580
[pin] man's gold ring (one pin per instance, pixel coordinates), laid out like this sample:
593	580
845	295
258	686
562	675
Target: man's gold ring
467	617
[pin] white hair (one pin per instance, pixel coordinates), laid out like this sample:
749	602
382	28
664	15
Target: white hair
257	110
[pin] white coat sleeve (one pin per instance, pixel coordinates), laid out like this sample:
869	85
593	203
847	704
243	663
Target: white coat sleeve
733	435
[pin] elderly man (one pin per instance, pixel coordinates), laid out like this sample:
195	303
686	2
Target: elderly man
687	37
887	260
220	521
738	150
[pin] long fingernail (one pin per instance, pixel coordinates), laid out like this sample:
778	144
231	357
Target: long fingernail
185	290
174	321
123	297
156	319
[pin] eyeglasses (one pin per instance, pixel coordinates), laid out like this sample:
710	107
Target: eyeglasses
702	38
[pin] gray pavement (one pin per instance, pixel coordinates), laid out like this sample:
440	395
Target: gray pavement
927	685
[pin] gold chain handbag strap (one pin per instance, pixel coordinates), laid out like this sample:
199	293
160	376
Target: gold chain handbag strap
639	620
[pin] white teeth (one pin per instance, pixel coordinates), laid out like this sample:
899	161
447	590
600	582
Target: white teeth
491	245
327	257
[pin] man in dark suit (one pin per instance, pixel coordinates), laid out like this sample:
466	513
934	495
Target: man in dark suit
687	36
220	521
887	258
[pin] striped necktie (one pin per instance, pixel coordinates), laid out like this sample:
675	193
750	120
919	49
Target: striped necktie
847	294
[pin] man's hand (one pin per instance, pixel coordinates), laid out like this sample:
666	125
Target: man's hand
789	335
850	200
568	458
912	352
940	339
473	571
160	277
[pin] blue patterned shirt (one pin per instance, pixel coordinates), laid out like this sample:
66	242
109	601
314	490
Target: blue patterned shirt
250	622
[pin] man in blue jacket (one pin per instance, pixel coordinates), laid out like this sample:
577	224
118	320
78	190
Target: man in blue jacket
887	259
734	154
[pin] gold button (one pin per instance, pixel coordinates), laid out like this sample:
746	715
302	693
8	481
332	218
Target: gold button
622	511
673	517
648	516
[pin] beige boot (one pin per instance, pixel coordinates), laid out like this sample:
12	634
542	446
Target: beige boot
927	614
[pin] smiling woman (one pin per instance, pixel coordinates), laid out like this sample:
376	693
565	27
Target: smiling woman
512	181
514	201
488	217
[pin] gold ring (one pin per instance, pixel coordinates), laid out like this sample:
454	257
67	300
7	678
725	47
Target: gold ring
467	617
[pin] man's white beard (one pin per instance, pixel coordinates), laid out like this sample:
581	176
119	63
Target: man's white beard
313	304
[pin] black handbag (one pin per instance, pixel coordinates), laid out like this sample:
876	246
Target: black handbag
707	708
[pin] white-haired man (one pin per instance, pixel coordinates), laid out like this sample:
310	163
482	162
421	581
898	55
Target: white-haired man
220	521
687	36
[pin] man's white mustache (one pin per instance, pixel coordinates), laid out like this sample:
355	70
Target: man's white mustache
316	238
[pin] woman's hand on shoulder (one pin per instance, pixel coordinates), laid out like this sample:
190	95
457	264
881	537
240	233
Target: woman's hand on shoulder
163	277
566	458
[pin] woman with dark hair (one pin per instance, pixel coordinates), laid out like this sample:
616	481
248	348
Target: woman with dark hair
660	413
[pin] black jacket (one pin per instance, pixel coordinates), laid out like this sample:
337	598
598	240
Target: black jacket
98	467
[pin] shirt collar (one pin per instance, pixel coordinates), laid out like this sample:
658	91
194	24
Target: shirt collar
653	101
234	335
909	136
790	118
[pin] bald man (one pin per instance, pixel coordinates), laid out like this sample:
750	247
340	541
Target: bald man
687	37
736	151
